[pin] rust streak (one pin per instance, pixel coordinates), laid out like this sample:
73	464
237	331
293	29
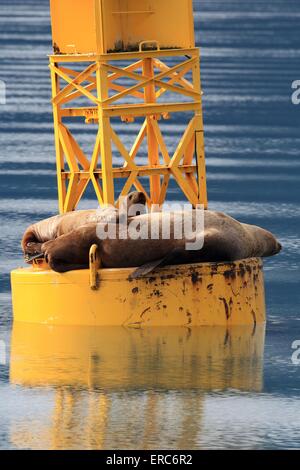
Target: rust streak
226	307
254	317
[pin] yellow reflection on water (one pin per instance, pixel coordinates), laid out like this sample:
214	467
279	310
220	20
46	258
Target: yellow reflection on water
113	387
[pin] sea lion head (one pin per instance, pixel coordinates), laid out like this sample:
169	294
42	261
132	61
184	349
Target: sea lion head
264	242
133	204
30	244
273	247
136	197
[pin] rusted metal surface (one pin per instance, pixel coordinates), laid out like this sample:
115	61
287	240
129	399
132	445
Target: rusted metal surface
182	295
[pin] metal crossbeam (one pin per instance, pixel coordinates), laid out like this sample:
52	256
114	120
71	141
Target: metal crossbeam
186	165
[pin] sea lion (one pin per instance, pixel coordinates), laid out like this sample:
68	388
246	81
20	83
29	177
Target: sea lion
225	239
54	227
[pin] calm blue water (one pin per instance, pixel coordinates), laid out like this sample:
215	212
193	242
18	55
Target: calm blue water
249	395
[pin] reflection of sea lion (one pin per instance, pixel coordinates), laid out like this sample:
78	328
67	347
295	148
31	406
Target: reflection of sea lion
54	227
225	239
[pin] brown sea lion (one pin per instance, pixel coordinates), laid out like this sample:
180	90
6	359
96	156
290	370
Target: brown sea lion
225	239
54	227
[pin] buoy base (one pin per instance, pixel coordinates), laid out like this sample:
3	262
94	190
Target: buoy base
183	295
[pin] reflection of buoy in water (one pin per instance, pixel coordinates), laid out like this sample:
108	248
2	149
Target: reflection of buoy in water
82	374
113	358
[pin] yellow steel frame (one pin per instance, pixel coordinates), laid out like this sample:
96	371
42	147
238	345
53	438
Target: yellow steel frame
150	79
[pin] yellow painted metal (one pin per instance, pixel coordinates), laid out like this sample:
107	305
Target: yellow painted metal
100	26
159	91
95	35
113	56
95	264
187	295
153	148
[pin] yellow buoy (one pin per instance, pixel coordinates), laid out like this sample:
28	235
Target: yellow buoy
183	295
139	63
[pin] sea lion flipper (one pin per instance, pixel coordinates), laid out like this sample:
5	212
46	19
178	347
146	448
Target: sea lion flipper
33	258
146	269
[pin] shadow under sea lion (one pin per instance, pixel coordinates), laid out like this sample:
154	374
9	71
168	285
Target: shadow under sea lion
54	227
224	239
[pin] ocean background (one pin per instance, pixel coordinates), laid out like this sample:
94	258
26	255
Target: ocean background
250	55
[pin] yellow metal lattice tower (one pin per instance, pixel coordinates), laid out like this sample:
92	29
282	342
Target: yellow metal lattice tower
131	59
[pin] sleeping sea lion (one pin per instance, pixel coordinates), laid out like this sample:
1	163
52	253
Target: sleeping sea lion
54	227
225	239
